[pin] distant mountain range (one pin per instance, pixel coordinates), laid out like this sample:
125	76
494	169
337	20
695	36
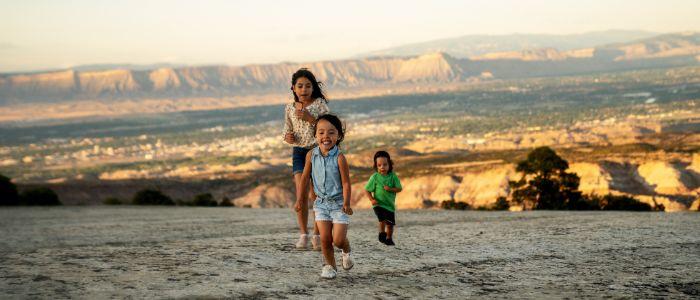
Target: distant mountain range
668	50
477	45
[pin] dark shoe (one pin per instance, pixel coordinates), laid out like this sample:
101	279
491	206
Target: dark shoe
389	242
382	237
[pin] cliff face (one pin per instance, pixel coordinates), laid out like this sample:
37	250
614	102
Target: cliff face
654	182
265	196
434	68
675	185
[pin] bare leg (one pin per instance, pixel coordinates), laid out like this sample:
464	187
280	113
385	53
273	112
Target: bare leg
381	226
303	214
316	231
340	238
326	229
389	230
312	197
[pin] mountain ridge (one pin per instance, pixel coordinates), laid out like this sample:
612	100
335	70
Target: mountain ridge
668	50
476	45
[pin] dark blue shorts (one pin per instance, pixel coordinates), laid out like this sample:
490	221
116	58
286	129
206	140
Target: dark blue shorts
298	159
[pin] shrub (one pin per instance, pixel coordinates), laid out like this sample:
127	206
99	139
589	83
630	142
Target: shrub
624	203
151	197
39	196
112	201
451	204
226	202
617	202
180	202
428	203
204	200
501	204
8	192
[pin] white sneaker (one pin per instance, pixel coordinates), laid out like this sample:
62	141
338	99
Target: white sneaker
316	242
348	262
303	241
328	272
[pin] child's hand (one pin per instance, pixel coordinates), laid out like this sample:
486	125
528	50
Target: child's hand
347	209
388	189
304	114
297	206
374	201
289	138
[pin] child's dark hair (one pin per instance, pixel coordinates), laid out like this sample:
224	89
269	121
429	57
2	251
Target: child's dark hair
386	155
317	90
335	121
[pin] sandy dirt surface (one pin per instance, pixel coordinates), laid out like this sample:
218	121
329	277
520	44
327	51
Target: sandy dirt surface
151	252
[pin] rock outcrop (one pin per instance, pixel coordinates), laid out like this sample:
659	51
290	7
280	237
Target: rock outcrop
674	185
266	196
666	178
594	178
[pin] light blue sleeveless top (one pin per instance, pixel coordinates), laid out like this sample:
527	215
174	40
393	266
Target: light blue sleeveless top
326	175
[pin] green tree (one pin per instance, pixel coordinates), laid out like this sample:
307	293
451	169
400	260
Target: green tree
545	184
151	197
8	192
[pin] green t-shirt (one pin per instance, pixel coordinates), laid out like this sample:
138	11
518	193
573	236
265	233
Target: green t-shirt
376	184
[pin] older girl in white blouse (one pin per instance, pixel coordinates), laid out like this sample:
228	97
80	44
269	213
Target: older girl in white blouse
299	118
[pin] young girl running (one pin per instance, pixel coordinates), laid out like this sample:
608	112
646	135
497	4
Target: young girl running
381	190
300	117
331	177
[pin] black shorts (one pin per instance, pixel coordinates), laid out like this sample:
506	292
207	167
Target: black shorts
384	214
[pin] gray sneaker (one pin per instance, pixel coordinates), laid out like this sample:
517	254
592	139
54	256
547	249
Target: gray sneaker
316	242
348	262
303	241
328	272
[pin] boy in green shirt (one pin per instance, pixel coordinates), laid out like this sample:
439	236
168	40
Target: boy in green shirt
381	190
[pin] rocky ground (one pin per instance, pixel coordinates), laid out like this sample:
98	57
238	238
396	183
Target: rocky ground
176	252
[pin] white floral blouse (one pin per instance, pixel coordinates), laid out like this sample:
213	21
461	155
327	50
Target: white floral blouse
303	131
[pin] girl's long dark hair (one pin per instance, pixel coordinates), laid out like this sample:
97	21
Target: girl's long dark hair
335	121
385	155
317	90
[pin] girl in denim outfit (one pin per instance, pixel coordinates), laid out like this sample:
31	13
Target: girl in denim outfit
331	177
299	120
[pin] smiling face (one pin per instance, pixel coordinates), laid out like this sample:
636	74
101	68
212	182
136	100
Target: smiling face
382	165
303	89
326	135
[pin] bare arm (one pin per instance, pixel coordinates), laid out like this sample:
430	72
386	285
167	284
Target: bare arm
370	197
288	128
312	192
392	190
345	180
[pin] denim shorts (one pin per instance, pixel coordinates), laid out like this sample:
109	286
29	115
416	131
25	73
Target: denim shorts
298	159
330	210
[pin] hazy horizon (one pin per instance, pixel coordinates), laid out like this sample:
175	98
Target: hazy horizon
47	35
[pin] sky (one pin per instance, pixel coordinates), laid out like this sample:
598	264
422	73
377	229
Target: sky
41	35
